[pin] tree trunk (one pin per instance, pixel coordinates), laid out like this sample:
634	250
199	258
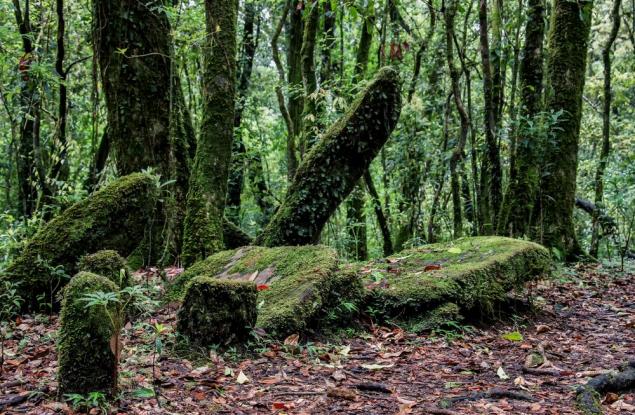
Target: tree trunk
208	183
457	153
30	113
295	102
381	218
606	128
566	65
518	213
490	170
236	177
312	100
357	245
336	163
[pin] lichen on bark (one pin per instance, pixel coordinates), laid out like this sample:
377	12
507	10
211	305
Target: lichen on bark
336	163
88	348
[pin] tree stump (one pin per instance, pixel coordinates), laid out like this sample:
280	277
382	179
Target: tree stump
217	311
88	349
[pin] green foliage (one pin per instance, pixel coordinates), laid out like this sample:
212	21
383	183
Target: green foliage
92	400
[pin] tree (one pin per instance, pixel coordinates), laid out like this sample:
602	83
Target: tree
568	40
518	211
606	128
202	234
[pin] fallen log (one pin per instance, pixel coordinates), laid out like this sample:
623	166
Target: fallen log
335	164
115	217
588	395
304	287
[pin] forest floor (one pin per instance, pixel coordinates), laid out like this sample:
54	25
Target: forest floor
583	323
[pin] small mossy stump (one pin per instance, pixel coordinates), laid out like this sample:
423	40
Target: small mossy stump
88	347
216	311
116	217
298	286
107	263
474	273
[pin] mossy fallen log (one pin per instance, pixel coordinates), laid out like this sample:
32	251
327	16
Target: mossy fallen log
475	273
304	287
88	347
335	164
297	286
217	311
107	263
116	217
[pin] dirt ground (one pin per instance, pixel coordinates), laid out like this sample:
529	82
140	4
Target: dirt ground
583	324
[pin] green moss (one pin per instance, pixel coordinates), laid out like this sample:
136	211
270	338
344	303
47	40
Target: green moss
471	272
300	283
107	263
436	318
88	338
115	217
217	311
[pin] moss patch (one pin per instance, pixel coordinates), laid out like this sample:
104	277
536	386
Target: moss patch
217	311
88	343
107	263
470	272
297	284
115	217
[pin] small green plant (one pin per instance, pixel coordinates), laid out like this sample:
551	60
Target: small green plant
10	304
94	400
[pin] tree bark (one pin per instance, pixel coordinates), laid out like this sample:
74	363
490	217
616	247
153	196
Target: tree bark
606	128
565	71
491	170
238	164
335	164
518	214
312	101
208	183
457	153
29	115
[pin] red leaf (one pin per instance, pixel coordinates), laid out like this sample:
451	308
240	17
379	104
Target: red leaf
279	405
432	267
262	287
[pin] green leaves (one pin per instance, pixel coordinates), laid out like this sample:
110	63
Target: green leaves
514	336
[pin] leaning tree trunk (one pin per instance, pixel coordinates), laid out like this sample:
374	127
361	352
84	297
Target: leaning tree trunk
568	39
606	128
517	213
202	235
336	163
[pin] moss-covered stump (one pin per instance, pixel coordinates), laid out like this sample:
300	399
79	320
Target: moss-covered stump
88	346
298	286
473	273
113	218
218	311
107	263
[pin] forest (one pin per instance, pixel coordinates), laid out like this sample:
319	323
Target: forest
317	206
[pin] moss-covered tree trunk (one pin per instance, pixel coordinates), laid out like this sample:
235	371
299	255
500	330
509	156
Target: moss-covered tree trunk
312	101
149	125
294	31
565	73
133	47
517	213
336	163
203	234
